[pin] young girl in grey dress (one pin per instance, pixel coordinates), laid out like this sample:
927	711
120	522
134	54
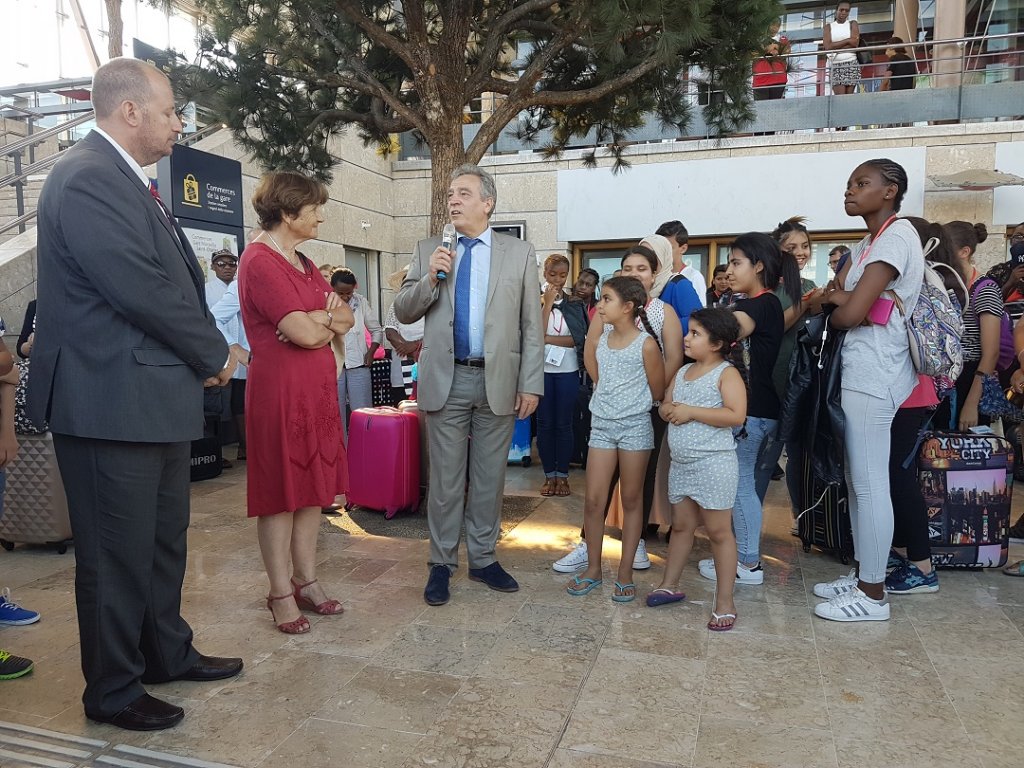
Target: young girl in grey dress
628	374
709	398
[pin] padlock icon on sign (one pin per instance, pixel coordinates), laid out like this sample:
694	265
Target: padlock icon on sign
191	196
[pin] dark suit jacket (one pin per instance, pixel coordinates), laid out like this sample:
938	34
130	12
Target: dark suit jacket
123	336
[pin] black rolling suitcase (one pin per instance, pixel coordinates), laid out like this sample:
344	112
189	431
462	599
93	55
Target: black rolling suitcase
825	518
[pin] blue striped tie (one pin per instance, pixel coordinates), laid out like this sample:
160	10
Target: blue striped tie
463	287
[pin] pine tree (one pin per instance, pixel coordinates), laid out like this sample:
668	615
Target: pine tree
286	75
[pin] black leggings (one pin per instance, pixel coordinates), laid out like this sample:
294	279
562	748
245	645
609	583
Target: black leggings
659	425
910	515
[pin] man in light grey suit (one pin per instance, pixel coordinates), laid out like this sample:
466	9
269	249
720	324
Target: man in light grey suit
124	344
481	366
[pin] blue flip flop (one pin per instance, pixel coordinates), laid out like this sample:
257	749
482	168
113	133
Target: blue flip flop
582	586
662	596
624	598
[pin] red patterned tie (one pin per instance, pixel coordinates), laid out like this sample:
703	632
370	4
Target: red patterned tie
156	196
167	213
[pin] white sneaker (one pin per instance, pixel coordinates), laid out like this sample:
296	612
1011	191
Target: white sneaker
744	575
837	587
641	562
854	605
574	560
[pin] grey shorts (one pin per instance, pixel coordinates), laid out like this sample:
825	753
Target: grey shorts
634	433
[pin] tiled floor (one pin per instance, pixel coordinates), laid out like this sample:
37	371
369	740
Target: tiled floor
537	678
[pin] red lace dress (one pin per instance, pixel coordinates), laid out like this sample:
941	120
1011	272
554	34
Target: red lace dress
296	457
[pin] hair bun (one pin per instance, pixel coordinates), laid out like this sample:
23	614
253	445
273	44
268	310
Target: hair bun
981	231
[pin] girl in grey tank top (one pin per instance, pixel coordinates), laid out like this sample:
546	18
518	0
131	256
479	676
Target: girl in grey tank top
708	398
629	369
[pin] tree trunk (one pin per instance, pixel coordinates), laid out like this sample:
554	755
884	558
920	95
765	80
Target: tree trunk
447	152
115	29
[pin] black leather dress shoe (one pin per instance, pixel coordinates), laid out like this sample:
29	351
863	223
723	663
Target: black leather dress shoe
495	577
212	668
436	592
146	713
207	668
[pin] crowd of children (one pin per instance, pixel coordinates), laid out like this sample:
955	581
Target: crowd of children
712	398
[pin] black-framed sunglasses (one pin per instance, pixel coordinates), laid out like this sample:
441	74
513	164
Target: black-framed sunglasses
231	264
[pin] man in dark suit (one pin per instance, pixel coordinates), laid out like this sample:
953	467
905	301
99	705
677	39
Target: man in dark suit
123	347
481	366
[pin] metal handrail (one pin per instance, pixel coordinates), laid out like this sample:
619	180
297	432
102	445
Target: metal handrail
37	138
39	165
915	44
23	111
51	86
18	222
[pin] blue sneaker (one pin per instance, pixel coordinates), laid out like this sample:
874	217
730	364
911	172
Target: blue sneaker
908	579
13	614
895	560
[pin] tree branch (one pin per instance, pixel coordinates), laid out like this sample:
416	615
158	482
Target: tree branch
377	34
564	98
368	86
496	85
415	24
497	38
491	130
374	119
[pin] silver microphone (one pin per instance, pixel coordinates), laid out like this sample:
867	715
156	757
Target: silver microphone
448	235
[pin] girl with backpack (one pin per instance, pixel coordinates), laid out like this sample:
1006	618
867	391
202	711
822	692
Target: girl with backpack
910	557
983	328
878	375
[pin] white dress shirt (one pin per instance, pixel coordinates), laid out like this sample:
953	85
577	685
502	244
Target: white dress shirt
228	314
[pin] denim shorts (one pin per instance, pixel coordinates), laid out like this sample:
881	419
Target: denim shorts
633	433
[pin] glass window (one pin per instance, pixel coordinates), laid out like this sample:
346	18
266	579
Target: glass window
697	256
602	262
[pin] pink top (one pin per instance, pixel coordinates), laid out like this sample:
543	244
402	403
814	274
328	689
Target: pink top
923	395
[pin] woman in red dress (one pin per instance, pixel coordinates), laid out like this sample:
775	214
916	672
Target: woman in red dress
297	462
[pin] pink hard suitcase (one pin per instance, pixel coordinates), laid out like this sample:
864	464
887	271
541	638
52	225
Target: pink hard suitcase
412	407
384	460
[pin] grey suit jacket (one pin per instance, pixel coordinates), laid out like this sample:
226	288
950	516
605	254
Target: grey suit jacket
123	336
513	339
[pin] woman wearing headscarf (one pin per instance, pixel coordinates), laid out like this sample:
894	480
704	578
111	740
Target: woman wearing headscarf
675	290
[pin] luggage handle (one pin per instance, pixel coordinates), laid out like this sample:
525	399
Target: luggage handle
388	408
842	501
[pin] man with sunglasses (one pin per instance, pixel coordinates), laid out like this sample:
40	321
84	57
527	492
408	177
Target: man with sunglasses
223	268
